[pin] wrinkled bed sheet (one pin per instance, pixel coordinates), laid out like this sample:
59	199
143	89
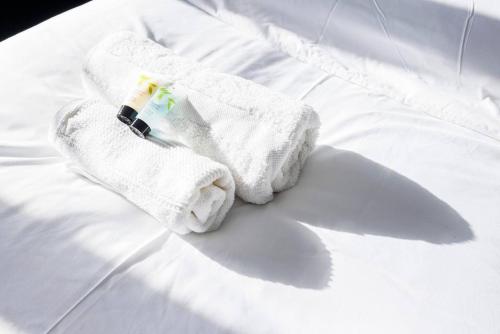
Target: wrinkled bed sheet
394	226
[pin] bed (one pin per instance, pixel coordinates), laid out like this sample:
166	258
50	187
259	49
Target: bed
393	227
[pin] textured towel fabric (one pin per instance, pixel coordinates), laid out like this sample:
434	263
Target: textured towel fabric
262	136
183	190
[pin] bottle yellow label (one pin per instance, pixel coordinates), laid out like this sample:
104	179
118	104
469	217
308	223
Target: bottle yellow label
139	95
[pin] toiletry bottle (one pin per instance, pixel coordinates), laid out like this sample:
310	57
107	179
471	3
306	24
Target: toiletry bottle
136	98
154	114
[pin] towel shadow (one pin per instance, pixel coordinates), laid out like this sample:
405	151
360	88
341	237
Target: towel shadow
339	190
259	243
347	192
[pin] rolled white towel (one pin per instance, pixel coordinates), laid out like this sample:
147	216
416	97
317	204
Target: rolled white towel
262	136
182	189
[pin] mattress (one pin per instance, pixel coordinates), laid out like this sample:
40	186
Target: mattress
393	227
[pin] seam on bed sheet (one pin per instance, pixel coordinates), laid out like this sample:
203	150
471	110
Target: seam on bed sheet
326	77
359	79
133	258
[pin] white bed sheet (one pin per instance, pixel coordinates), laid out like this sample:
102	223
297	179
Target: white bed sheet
450	39
392	228
437	56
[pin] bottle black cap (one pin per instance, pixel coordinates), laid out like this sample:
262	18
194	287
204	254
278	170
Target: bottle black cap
126	114
140	128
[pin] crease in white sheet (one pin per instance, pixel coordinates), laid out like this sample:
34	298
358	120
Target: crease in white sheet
465	39
327	21
383	23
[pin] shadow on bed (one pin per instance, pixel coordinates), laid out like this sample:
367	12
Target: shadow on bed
258	242
345	191
30	282
338	190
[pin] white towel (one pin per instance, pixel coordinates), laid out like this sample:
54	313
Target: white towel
262	136
183	190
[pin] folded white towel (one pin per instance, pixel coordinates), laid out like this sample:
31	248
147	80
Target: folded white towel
262	136
183	190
